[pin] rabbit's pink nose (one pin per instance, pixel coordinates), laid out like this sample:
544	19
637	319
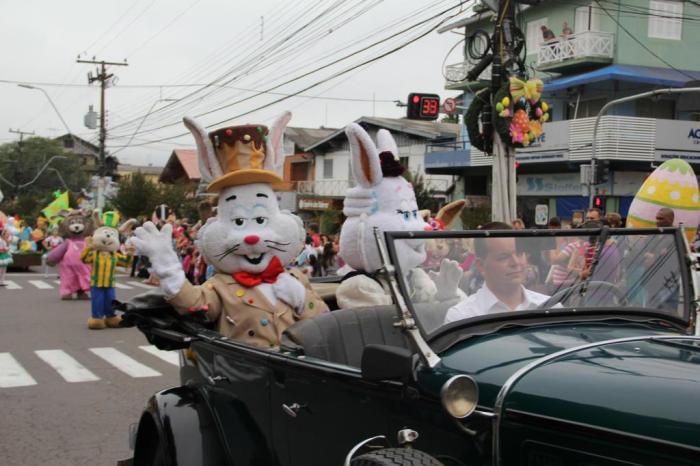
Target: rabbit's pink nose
251	239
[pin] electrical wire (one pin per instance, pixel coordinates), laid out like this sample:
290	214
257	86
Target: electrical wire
289	81
641	44
340	73
228	103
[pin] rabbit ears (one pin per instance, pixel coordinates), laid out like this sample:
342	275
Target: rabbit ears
364	154
209	166
450	212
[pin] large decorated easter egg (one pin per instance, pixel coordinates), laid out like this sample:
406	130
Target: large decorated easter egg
673	185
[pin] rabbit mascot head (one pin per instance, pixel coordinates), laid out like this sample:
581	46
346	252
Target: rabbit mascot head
249	232
382	199
249	241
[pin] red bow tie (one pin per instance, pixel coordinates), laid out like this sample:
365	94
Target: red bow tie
269	275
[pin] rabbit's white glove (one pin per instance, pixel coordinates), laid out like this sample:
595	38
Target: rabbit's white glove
423	289
291	291
158	246
447	280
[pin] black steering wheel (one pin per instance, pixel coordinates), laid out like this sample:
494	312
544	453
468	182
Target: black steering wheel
573	291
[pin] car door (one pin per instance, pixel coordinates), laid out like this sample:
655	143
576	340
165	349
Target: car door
236	378
321	410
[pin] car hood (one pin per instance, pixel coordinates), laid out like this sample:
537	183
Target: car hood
647	388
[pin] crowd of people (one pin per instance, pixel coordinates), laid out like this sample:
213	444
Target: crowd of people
319	258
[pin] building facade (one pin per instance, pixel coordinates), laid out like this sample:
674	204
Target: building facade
600	51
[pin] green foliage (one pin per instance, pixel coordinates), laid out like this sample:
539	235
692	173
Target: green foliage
21	163
424	197
136	196
475	216
330	222
180	198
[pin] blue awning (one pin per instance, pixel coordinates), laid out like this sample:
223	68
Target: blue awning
639	74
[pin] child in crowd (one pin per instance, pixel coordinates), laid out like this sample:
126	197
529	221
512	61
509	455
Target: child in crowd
50	243
5	255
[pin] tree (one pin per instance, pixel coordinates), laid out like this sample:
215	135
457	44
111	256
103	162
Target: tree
181	199
21	162
136	196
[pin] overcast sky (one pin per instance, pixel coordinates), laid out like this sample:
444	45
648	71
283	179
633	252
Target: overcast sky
181	42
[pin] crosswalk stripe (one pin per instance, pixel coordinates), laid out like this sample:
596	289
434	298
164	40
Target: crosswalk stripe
57	282
124	363
67	367
140	285
122	286
42	285
10	285
12	374
167	356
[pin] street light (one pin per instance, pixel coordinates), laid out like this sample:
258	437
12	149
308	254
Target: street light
142	121
27	86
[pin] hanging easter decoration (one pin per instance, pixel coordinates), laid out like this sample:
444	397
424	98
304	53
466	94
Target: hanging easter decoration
520	111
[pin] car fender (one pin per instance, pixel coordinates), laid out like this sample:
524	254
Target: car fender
178	429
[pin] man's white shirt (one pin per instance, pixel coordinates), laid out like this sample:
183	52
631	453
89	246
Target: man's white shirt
484	302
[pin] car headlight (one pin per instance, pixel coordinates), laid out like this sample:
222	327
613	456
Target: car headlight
459	396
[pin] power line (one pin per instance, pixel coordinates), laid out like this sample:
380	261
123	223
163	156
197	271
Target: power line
340	73
320	68
641	44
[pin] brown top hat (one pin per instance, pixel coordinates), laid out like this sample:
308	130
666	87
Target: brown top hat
241	152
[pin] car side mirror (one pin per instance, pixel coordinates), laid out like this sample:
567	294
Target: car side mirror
382	362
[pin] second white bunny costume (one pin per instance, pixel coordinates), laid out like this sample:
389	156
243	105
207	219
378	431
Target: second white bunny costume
383	199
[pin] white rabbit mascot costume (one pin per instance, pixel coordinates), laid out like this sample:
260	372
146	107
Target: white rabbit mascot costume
385	200
249	242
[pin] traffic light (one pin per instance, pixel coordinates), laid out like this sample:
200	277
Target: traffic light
602	171
423	106
599	202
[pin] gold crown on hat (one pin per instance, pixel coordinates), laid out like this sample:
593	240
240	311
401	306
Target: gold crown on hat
241	153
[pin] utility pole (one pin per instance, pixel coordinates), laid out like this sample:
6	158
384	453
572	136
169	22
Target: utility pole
21	133
102	76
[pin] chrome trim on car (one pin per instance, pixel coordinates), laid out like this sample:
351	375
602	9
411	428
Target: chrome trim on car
354	450
520	373
406	320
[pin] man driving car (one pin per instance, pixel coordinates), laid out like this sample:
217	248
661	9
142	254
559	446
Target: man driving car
503	268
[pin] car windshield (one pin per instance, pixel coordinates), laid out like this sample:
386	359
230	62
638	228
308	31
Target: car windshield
448	277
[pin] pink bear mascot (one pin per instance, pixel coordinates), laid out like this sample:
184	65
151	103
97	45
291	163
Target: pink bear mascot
74	274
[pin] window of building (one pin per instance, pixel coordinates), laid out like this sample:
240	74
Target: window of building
587	19
475	185
68	143
300	171
534	36
656	108
585	108
665	19
328	168
404	161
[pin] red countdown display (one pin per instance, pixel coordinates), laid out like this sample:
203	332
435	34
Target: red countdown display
423	106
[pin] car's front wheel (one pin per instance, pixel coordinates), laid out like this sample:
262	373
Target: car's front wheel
395	457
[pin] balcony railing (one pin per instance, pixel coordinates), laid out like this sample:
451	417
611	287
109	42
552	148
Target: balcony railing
587	44
330	188
338	188
457	72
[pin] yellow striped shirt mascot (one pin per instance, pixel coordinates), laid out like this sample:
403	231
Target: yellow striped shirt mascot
102	253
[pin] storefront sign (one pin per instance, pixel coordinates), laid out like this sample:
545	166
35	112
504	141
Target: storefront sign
314	204
550	184
678	137
541	214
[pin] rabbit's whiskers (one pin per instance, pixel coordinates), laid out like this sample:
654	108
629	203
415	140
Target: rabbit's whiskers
278	243
276	249
228	251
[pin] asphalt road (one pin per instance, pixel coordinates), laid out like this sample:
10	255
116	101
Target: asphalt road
69	394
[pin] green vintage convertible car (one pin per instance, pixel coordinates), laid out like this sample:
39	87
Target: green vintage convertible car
571	347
